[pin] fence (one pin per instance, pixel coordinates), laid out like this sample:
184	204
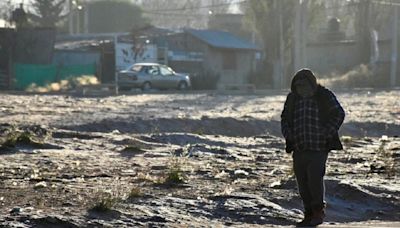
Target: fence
28	74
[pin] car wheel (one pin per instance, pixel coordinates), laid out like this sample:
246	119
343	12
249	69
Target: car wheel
182	86
146	86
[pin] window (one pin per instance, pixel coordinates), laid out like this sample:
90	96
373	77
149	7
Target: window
165	71
153	70
136	68
229	60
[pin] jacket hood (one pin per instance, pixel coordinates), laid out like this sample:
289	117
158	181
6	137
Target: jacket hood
304	74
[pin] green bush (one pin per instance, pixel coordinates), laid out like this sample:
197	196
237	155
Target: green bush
175	174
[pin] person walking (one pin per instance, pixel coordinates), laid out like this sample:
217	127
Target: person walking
310	121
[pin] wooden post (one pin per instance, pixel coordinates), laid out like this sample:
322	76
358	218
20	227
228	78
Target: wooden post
11	40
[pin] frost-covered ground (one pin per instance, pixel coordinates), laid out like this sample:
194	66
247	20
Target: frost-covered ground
227	148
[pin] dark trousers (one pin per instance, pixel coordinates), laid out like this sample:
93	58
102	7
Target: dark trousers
309	168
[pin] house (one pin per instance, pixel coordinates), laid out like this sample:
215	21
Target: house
110	52
232	23
19	50
190	51
7	36
219	52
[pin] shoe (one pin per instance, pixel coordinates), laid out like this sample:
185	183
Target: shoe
306	221
317	217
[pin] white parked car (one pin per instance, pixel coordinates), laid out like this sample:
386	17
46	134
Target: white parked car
152	75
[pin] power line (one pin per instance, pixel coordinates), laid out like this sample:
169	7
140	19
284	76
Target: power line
177	14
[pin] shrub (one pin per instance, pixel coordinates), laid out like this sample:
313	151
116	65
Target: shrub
260	79
134	149
135	193
64	85
205	80
14	137
359	76
175	173
388	161
104	202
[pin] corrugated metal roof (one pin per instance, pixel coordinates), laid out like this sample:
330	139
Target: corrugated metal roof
221	39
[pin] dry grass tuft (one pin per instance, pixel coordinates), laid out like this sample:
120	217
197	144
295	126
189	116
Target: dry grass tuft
104	202
175	174
386	156
135	192
16	136
64	85
361	76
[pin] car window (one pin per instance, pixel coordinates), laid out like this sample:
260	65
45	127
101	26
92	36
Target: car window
136	68
170	69
165	71
145	70
153	70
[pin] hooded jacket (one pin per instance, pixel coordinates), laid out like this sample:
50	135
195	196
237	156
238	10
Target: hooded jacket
331	114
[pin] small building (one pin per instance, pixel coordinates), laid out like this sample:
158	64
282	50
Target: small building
7	36
20	48
232	23
110	52
216	52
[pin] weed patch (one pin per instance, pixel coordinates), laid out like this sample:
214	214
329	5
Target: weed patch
15	137
104	202
175	174
133	149
135	192
389	163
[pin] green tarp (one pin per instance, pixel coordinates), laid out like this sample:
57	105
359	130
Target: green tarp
27	74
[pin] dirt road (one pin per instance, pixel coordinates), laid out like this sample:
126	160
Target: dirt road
178	160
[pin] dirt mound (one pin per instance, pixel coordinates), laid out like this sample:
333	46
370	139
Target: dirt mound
207	126
348	201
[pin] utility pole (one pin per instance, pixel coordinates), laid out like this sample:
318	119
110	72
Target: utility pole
70	18
86	19
275	49
304	33
393	67
300	34
78	21
363	31
297	34
281	48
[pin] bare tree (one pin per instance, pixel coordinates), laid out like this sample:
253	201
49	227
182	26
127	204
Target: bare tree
47	13
5	10
273	23
122	16
175	13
